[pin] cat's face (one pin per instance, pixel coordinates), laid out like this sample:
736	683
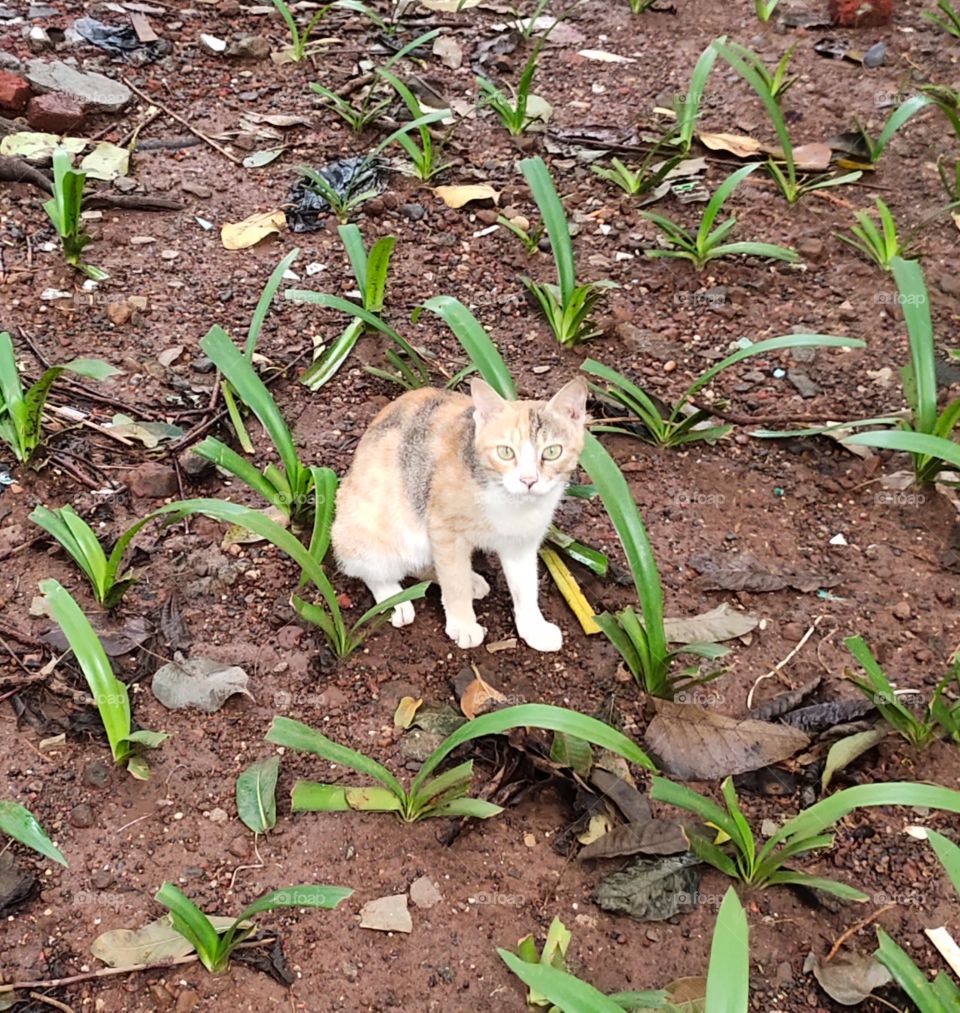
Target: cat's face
533	446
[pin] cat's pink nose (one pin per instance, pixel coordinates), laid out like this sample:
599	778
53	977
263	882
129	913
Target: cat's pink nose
529	482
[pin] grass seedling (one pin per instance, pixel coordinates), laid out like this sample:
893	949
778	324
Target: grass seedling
947	100
18	822
288	489
949	179
879	245
77	538
423	156
907	109
300	37
950	22
927	434
687	109
708	242
793	184
641	6
684	423
361	116
64	208
530	240
512	109
215	948
443	795
21	411
799	835
342	205
567	305
650	175
765	9
109	693
939	716
370	271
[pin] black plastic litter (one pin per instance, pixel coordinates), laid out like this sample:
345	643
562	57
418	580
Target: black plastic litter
350	177
121	42
5	478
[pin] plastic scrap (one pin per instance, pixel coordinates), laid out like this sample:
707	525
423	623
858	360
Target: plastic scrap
121	41
348	176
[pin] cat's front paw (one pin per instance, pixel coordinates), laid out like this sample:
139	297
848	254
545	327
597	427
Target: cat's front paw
542	636
402	614
466	634
479	588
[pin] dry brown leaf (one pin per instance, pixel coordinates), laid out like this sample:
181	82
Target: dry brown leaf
737	144
249	232
696	744
598	828
657	837
814	157
457	196
477	696
406	711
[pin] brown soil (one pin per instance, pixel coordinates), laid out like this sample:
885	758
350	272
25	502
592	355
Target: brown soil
781	501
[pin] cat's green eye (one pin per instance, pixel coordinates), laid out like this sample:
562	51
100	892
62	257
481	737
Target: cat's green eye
552	452
505	453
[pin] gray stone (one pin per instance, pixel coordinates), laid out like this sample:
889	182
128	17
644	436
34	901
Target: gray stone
413	212
96	91
9	61
805	386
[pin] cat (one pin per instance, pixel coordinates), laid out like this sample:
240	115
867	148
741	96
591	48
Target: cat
438	475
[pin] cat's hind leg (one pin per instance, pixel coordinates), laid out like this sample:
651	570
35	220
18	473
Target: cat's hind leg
479	588
383	578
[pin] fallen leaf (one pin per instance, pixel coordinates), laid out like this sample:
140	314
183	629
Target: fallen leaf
198	682
39	147
539	111
282	120
736	144
17	886
387	914
655	837
570	751
818	717
170	355
449	51
477	696
742	572
406	711
458	196
150	434
946	945
652	889
719	624
107	161
848	980
570	589
813	157
116	641
256	793
260	158
156	942
620	791
697	744
237	534
598	827
249	232
602	56
844	751
495	646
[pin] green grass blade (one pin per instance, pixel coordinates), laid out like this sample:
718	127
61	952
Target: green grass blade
679	795
407	594
537	175
256	794
908	976
949	855
265	301
82	546
567	993
18	822
767	250
326	366
192	924
378	267
719	198
728	975
475	341
916	312
687	119
457	808
303	895
787	877
896	120
325	484
357	255
108	692
11	390
297	735
236	418
211	449
918	444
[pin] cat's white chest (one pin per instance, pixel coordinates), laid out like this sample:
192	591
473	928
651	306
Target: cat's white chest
512	519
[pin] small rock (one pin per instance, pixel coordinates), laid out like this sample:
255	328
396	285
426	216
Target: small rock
152	480
784	973
9	61
424	893
387	914
811	248
55	113
792	631
239	847
804	385
670	366
194	467
38	40
949	284
902	610
95	91
139	302
102	879
249	47
162	999
488	216
875	55
187	1000
81	816
14	92
119	313
846	311
839	539
96	774
201	364
169	254
218	815
124	184
413	212
212	44
197	189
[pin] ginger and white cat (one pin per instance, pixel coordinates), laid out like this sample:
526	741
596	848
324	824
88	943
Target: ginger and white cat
439	475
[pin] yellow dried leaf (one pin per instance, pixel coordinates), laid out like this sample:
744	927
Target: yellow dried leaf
814	157
570	589
737	144
406	711
598	827
478	695
457	196
249	232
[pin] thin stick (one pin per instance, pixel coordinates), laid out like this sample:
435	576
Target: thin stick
108	972
176	116
855	929
55	1003
773	671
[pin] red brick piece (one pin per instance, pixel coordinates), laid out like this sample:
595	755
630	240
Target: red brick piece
14	92
860	13
55	113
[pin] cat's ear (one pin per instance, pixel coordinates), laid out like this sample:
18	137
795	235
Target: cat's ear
486	401
571	400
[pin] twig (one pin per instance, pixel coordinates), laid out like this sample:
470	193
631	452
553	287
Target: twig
240	868
855	929
776	668
55	1003
176	116
108	972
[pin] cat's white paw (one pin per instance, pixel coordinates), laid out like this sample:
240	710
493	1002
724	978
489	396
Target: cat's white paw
542	636
466	634
402	614
479	588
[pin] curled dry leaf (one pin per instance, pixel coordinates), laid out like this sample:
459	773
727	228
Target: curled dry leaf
249	232
848	980
478	696
696	744
406	711
813	157
458	196
719	624
845	751
737	144
656	837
